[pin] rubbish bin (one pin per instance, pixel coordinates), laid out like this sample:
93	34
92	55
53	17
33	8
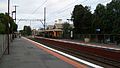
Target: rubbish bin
86	40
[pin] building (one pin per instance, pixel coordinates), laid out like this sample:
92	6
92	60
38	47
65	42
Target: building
54	31
35	32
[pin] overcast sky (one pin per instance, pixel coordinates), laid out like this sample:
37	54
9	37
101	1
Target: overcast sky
56	9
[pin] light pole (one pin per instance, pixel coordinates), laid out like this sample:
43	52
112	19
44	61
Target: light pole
14	12
71	31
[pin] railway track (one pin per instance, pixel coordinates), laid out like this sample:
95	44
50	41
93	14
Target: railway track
100	60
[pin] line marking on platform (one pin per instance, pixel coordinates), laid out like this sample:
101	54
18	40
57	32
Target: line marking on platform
67	55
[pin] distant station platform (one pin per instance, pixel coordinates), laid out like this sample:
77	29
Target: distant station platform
27	54
101	45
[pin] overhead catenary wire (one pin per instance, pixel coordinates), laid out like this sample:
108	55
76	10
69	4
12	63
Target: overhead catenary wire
39	6
106	1
60	11
70	4
71	7
66	8
35	9
98	1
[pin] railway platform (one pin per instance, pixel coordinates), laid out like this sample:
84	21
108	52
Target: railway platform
103	45
108	45
107	55
25	54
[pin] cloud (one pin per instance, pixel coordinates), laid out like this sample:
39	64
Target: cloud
3	6
55	9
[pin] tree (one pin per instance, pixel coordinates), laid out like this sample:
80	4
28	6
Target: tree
66	28
13	26
2	28
27	30
113	14
4	22
107	18
22	32
116	26
99	19
82	18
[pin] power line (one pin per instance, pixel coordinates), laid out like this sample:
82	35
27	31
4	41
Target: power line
39	6
71	6
106	1
66	6
98	1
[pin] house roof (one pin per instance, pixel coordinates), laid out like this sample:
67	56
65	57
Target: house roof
58	26
51	30
54	30
50	27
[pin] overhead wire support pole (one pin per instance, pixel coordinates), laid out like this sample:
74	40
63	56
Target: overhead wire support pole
15	13
8	43
44	17
41	20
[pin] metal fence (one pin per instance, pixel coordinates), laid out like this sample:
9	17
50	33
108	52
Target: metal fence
3	44
98	38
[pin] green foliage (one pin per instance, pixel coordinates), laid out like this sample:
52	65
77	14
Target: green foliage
66	28
3	21
2	30
82	19
4	24
106	18
116	26
22	32
113	13
13	26
27	30
99	18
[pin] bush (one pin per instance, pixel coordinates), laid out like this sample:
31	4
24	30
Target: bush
2	28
